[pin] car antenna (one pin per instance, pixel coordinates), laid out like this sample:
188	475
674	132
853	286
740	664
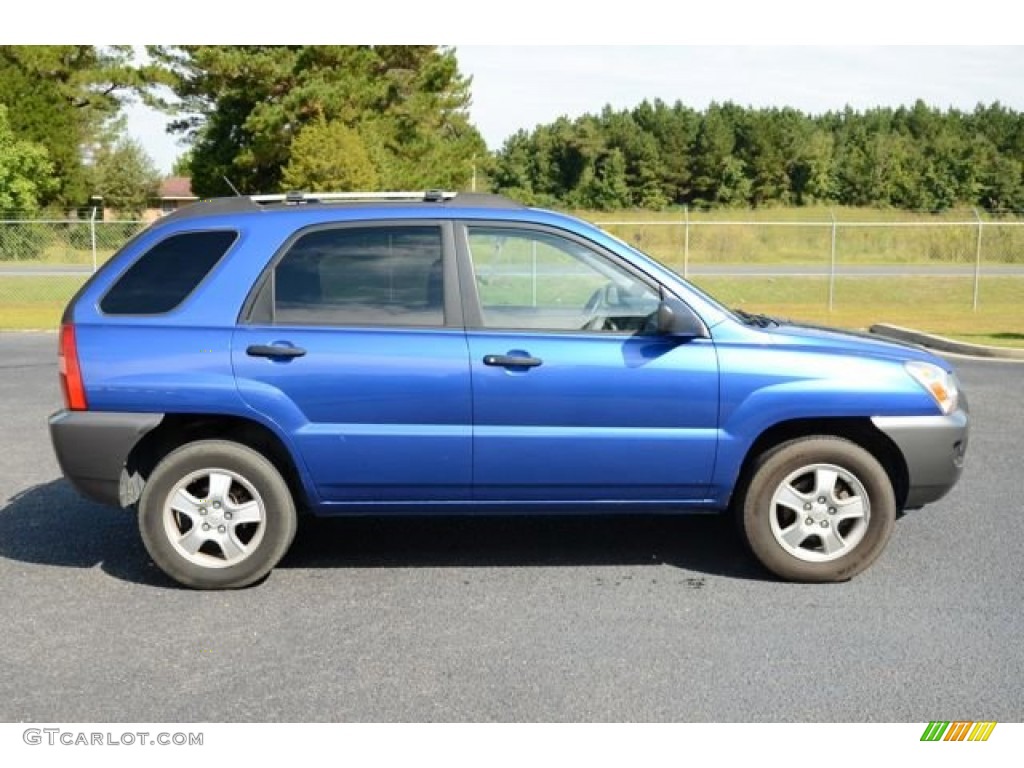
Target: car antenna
233	187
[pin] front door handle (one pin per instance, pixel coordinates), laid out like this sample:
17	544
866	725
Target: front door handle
512	361
274	350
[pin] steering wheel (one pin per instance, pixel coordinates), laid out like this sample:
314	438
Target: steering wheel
597	319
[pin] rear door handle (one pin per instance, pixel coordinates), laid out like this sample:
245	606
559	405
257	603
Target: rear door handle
512	361
274	350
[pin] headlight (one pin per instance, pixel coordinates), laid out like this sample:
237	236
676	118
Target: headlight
939	383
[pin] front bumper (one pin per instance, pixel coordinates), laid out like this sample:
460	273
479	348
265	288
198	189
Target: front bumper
933	448
92	447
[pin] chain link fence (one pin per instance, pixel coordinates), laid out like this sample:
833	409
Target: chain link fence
44	261
927	269
814	268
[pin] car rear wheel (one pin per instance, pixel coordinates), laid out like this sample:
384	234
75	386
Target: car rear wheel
818	509
216	515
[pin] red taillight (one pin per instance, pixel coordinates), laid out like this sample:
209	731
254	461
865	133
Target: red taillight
70	373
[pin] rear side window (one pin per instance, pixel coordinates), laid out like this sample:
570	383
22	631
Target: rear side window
362	276
167	273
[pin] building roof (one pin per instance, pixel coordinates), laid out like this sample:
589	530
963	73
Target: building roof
176	188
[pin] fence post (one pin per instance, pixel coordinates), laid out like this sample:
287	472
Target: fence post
832	264
977	261
686	242
92	236
533	292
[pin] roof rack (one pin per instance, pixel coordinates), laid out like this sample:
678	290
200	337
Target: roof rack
295	201
427	196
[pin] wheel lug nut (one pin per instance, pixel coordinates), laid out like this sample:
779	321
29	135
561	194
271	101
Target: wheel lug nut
831	510
202	510
807	507
809	521
227	515
824	523
821	499
216	505
206	526
222	529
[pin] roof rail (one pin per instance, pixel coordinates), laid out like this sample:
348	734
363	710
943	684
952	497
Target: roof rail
427	196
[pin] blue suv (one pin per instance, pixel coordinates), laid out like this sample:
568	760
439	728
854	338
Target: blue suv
247	359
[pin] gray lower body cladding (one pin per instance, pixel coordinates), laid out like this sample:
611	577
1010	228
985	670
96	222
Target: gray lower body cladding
933	448
92	447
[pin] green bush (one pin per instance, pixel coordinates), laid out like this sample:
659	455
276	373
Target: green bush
24	241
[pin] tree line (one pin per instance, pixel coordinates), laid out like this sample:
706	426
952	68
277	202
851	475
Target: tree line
62	138
252	119
272	118
654	155
267	118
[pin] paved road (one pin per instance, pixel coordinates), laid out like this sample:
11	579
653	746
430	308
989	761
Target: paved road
45	270
852	270
521	619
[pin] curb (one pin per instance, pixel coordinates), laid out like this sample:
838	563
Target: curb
943	344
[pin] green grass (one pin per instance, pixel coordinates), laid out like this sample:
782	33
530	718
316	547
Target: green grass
715	238
937	304
35	302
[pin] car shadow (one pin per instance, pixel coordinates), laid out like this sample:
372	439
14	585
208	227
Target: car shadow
705	544
51	524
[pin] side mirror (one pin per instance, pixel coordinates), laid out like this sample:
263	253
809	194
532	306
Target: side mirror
674	318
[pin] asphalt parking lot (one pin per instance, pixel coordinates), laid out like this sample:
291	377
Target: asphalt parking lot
663	619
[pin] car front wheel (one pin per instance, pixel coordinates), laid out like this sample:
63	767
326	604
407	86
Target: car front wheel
216	515
818	509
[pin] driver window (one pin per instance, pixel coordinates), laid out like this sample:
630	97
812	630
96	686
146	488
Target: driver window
536	280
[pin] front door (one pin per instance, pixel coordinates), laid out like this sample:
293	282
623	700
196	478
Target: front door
575	395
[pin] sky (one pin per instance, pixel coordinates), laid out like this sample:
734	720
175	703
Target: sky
518	87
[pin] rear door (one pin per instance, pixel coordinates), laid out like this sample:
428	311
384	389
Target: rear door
575	396
353	343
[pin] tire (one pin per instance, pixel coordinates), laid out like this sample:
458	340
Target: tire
216	515
817	509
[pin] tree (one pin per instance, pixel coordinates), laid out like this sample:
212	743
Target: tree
242	108
642	179
811	171
762	143
874	162
182	164
329	156
913	157
515	167
25	170
1000	180
59	96
605	187
124	176
674	130
718	175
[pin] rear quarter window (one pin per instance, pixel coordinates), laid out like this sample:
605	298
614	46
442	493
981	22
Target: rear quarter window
165	275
